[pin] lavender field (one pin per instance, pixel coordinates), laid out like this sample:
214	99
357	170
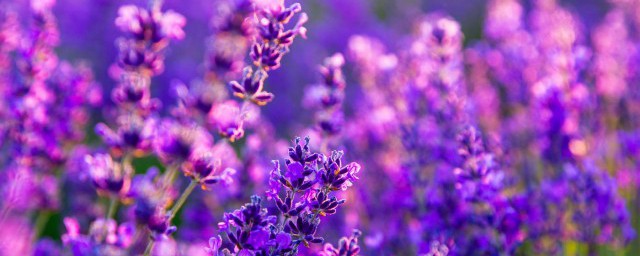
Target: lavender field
319	127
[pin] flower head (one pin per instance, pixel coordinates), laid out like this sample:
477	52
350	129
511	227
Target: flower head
108	175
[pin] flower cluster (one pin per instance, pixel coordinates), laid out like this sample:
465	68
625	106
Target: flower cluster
468	206
326	98
271	44
312	177
105	236
45	109
479	176
147	34
226	50
348	246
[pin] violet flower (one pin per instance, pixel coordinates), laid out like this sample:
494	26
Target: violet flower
270	45
251	230
105	236
347	246
107	175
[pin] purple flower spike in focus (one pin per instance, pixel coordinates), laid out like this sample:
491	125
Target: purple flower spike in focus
273	39
253	232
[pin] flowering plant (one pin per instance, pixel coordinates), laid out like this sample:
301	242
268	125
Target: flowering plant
421	132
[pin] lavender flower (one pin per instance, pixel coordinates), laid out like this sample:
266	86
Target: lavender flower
270	45
231	40
108	176
522	141
348	246
175	142
105	236
327	97
228	120
134	135
148	32
251	230
204	168
479	177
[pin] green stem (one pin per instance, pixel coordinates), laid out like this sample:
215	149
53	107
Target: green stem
126	160
113	206
147	251
183	198
174	210
170	176
40	222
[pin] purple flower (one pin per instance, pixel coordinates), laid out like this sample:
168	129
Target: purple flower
105	236
107	175
160	224
271	43
347	246
252	87
214	245
228	119
327	97
205	168
176	142
47	247
335	176
149	195
479	176
142	24
147	34
134	135
250	227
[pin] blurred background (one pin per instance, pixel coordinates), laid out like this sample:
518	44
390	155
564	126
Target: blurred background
88	33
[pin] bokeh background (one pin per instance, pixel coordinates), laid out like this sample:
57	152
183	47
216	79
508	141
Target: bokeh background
88	34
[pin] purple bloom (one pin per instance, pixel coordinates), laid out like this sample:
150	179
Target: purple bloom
214	245
251	228
479	177
105	236
150	25
149	195
271	43
327	97
347	246
175	142
205	168
107	175
134	135
160	224
228	119
252	87
47	247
